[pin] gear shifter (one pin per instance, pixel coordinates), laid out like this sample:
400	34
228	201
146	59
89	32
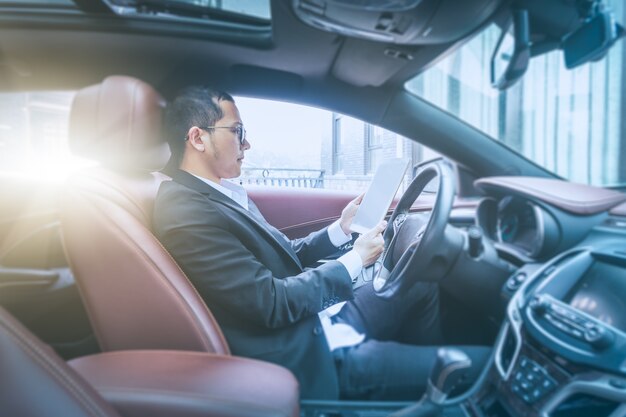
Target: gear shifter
449	369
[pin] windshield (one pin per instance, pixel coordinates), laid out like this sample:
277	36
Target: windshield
567	121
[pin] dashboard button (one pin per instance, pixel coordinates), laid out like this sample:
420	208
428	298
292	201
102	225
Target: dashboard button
589	324
577	333
516	281
540	305
560	325
599	337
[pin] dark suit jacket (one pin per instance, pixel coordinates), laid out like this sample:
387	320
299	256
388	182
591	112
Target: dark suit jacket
252	278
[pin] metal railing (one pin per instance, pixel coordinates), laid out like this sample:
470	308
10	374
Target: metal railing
284	177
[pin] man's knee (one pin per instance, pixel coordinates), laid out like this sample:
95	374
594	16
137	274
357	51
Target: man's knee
378	370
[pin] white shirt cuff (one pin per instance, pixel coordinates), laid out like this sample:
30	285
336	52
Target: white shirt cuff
353	263
336	235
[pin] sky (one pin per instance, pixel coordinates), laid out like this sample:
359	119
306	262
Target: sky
283	133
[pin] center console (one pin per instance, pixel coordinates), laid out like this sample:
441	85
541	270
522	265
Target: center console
562	349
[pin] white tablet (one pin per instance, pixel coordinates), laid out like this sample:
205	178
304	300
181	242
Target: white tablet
379	195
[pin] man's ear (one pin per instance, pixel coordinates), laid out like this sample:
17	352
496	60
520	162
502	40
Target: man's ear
194	137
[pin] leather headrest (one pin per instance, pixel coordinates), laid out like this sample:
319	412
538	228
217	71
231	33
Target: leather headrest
118	123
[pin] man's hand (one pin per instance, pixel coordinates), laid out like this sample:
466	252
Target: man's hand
348	214
370	245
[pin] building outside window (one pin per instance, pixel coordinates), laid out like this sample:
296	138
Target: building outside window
578	112
337	149
373	147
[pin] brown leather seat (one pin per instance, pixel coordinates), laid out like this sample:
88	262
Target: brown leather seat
135	294
35	382
170	383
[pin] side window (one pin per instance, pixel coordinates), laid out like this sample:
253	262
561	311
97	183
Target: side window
299	146
33	135
292	145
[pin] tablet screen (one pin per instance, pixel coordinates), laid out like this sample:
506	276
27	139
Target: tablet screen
379	195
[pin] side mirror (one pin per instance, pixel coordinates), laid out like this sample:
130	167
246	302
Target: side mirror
510	58
591	41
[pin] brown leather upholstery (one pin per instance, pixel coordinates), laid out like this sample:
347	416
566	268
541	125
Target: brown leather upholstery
136	296
568	196
118	123
190	384
35	382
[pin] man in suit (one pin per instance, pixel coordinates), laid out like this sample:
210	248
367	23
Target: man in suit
254	279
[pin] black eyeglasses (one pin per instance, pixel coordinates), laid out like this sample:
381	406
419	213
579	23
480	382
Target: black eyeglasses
239	130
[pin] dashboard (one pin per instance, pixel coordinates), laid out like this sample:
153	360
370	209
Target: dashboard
561	351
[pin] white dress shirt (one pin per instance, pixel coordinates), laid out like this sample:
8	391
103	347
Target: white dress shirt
337	334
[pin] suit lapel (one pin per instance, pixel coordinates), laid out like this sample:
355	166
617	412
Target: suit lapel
257	219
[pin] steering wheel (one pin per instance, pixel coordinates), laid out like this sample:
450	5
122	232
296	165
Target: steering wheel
415	244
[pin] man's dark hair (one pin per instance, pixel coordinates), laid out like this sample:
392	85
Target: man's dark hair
193	106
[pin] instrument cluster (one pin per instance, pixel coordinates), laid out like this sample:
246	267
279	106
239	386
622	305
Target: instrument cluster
516	224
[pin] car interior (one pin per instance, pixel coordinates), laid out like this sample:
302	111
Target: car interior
97	319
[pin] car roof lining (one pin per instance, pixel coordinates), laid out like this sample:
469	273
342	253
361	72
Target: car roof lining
327	55
257	64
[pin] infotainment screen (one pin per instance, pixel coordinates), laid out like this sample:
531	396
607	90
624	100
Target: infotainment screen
601	293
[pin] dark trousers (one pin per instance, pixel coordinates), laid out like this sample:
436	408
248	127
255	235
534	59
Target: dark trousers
402	338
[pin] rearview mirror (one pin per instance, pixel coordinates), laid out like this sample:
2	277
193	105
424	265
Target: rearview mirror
591	41
510	58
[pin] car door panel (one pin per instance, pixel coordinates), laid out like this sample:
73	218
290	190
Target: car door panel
36	284
298	212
